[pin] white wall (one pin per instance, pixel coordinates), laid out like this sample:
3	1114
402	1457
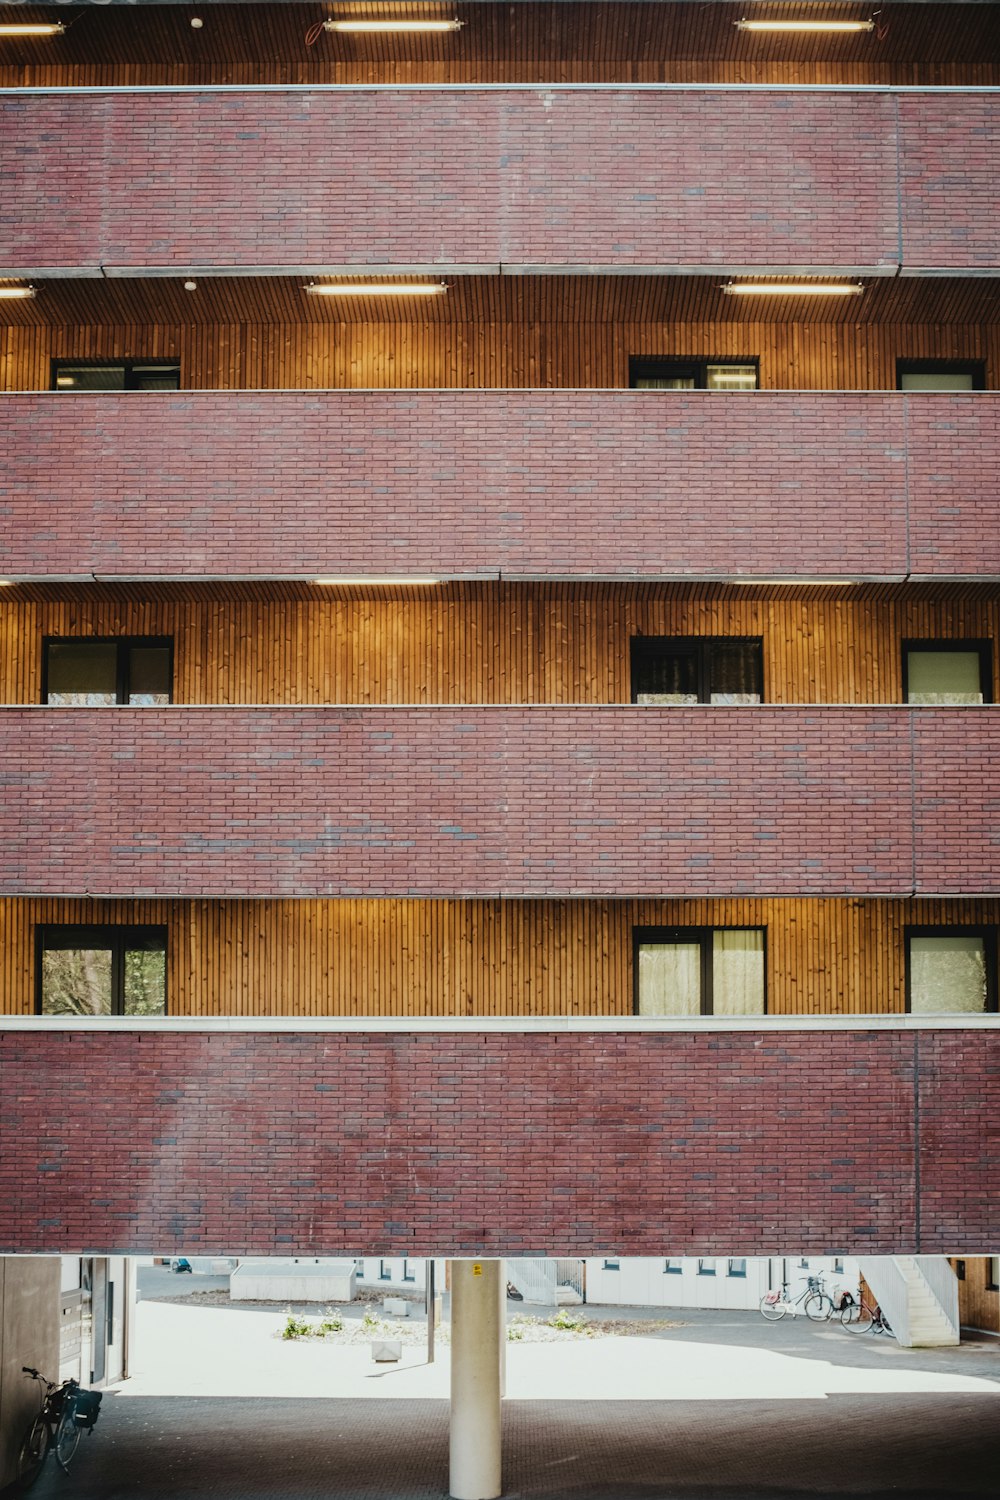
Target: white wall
395	1274
645	1282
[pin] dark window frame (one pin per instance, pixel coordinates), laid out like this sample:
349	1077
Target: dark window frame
703	935
679	367
125	644
697	646
974	929
960	646
409	1273
991	1284
701	1265
974	367
736	1275
383	1274
130	367
114	935
669	1269
612	1265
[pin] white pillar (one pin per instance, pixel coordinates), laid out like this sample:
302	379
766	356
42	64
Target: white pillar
475	1379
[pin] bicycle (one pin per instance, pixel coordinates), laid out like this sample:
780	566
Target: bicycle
817	1303
859	1317
65	1413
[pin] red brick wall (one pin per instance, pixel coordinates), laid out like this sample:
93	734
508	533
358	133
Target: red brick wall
948	188
956	803
953	456
531	801
469	178
644	1144
541	483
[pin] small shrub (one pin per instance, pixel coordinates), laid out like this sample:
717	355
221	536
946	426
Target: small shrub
567	1321
295	1328
514	1333
329	1325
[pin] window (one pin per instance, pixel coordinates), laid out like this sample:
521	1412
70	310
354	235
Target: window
950	970
611	1265
947	671
993	1273
98	672
940	375
736	1267
706	1267
838	1264
106	375
692	374
409	1272
102	971
960	1270
696	669
699	971
672	1268
384	1270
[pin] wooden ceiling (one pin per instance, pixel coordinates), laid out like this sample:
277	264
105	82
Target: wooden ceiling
551	42
499	300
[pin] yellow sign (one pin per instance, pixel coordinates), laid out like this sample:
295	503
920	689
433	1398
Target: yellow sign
477	1269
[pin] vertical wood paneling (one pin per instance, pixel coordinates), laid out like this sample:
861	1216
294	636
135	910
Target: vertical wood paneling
490	645
978	1303
247	356
481	958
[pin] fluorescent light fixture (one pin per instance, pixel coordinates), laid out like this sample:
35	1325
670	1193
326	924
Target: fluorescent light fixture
62	380
32	28
401	23
393	582
793	288
818	26
17	293
376	288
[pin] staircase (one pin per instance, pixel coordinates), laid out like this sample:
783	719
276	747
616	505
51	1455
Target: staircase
919	1296
534	1279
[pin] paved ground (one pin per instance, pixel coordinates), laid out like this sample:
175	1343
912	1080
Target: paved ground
724	1408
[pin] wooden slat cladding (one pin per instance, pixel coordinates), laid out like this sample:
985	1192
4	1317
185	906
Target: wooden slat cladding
300	356
482	958
492	644
258	310
978	1297
551	43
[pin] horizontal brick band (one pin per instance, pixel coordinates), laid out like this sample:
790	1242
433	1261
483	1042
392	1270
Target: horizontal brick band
555	483
516	177
514	801
641	1145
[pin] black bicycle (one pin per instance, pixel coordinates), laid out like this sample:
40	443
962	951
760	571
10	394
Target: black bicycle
66	1413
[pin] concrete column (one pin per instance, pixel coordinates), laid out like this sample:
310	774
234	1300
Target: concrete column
475	1379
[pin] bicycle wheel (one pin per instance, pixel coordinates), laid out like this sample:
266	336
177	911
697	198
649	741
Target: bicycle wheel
67	1437
32	1453
857	1316
882	1326
772	1311
818	1306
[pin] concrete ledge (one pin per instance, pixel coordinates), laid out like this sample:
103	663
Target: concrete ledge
312	1025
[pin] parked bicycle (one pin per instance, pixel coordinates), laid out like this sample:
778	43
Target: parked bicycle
860	1317
814	1298
66	1413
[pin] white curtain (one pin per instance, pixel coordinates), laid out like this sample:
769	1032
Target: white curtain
738	972
670	979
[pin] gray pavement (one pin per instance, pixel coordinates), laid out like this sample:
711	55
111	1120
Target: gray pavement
928	1446
289	1450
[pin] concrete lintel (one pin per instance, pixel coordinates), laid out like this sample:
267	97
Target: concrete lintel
476	1025
345	273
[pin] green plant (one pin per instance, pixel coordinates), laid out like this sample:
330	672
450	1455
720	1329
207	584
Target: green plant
567	1321
329	1325
370	1321
514	1333
295	1328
